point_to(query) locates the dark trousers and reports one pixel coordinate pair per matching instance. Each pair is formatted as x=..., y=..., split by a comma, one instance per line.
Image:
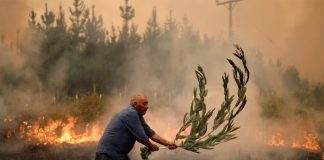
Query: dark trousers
x=103, y=156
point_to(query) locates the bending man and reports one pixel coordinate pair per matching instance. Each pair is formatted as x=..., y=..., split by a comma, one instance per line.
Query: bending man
x=125, y=128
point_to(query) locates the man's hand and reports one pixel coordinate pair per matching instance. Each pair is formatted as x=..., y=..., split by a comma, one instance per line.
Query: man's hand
x=171, y=145
x=152, y=146
x=159, y=139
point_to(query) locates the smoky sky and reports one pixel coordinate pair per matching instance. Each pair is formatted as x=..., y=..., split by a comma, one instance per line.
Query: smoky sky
x=290, y=30
x=305, y=43
x=13, y=15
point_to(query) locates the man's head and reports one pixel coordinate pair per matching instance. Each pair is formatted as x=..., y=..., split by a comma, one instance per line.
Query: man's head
x=140, y=102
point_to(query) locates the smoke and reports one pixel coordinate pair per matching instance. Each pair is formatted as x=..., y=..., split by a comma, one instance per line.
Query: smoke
x=13, y=16
x=283, y=28
x=304, y=42
x=18, y=79
x=170, y=98
x=255, y=131
x=14, y=65
x=165, y=117
x=288, y=30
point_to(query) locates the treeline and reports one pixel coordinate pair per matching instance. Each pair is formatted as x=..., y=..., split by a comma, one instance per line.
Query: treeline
x=288, y=101
x=70, y=64
x=284, y=94
x=74, y=53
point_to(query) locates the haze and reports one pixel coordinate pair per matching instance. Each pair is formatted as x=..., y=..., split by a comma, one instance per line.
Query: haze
x=291, y=30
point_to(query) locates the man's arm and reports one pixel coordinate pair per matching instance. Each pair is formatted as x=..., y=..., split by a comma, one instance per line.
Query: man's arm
x=158, y=139
x=155, y=137
x=133, y=124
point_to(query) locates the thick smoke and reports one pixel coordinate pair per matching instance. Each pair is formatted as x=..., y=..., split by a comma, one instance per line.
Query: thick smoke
x=170, y=90
x=275, y=27
x=167, y=119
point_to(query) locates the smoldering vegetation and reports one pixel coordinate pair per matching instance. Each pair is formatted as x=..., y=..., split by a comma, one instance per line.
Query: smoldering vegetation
x=69, y=63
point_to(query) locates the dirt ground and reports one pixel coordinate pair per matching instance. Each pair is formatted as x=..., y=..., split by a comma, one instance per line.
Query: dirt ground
x=12, y=151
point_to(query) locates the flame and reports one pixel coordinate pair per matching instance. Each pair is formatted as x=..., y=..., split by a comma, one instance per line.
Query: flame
x=58, y=132
x=276, y=140
x=309, y=141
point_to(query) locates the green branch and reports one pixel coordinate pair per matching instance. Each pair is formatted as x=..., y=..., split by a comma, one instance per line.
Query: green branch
x=196, y=120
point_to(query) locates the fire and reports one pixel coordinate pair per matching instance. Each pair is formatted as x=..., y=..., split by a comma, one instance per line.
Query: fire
x=309, y=142
x=58, y=132
x=276, y=140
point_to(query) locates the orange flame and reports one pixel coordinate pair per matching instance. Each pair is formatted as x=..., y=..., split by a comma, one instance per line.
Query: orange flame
x=309, y=142
x=276, y=140
x=58, y=132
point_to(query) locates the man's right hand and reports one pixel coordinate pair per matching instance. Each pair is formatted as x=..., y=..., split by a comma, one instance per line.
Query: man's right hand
x=152, y=146
x=171, y=145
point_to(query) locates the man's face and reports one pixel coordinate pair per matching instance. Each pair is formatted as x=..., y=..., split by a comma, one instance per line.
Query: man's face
x=141, y=105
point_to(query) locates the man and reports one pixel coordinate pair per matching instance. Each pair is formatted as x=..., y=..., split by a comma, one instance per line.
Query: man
x=127, y=127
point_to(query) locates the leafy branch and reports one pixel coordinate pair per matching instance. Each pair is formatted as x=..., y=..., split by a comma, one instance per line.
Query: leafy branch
x=196, y=120
x=193, y=131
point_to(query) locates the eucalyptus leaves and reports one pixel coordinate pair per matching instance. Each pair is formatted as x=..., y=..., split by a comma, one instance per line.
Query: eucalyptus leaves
x=198, y=117
x=194, y=133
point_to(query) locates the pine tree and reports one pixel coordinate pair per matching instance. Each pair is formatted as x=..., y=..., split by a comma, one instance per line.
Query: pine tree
x=188, y=35
x=32, y=20
x=55, y=45
x=113, y=36
x=152, y=31
x=127, y=13
x=171, y=28
x=151, y=42
x=94, y=30
x=78, y=19
x=60, y=21
x=134, y=37
x=48, y=19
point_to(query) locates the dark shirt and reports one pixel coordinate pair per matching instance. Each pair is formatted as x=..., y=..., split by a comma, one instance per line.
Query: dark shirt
x=120, y=135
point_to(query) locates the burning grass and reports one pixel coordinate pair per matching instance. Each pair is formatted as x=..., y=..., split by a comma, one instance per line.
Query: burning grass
x=68, y=138
x=48, y=138
x=308, y=142
x=71, y=131
x=44, y=131
x=73, y=120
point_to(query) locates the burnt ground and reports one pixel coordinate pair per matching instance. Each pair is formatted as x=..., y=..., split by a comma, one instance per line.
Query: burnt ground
x=282, y=153
x=16, y=151
x=48, y=152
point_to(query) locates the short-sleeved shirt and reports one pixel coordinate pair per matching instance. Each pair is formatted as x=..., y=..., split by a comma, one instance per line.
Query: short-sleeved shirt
x=120, y=135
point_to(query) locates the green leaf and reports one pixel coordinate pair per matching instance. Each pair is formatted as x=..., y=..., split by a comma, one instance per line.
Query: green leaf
x=197, y=118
